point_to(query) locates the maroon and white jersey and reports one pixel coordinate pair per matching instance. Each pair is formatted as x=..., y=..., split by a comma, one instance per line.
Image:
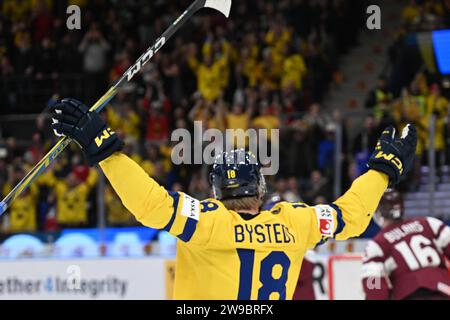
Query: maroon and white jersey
x=405, y=257
x=305, y=284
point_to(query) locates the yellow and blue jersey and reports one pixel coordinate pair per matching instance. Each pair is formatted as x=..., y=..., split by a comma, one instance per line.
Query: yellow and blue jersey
x=225, y=255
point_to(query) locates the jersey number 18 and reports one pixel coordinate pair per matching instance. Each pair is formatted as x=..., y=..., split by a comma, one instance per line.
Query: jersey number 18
x=269, y=283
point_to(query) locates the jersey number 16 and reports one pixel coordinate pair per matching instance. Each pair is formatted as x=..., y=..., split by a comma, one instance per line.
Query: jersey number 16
x=419, y=253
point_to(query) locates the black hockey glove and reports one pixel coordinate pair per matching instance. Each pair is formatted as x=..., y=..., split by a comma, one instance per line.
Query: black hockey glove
x=394, y=156
x=73, y=119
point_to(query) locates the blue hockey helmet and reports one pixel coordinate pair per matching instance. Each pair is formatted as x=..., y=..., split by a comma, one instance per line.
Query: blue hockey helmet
x=237, y=174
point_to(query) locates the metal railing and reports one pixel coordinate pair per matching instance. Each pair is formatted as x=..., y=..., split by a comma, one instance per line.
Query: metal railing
x=432, y=162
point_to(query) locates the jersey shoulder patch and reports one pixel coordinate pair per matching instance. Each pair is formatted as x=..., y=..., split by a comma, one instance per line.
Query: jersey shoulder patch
x=325, y=219
x=190, y=207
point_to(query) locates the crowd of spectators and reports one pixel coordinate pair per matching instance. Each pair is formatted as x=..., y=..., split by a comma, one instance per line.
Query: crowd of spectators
x=410, y=91
x=266, y=67
x=426, y=15
x=419, y=103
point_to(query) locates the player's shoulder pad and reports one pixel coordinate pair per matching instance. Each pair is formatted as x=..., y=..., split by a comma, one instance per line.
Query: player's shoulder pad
x=435, y=224
x=373, y=250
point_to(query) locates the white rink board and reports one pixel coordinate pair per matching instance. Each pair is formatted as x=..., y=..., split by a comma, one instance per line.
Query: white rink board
x=344, y=277
x=320, y=274
x=99, y=279
x=336, y=276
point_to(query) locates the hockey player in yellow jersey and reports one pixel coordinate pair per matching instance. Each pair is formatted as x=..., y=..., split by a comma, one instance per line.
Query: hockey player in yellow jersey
x=228, y=248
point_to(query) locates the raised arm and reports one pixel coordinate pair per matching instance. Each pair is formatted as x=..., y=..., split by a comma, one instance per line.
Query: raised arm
x=359, y=203
x=392, y=159
x=150, y=203
x=350, y=215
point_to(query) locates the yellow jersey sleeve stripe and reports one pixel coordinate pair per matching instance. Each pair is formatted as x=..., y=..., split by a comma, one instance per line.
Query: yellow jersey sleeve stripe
x=179, y=222
x=189, y=230
x=176, y=198
x=186, y=213
x=339, y=218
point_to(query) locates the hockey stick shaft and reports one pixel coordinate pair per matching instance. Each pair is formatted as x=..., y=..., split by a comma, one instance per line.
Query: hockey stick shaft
x=220, y=5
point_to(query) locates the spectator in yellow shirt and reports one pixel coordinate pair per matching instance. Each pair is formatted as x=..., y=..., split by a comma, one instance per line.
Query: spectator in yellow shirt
x=22, y=215
x=271, y=71
x=80, y=3
x=252, y=68
x=294, y=70
x=438, y=106
x=210, y=114
x=211, y=79
x=277, y=37
x=126, y=120
x=268, y=119
x=153, y=155
x=17, y=10
x=411, y=12
x=237, y=119
x=72, y=197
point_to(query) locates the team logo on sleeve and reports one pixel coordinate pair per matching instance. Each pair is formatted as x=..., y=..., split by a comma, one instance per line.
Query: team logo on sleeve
x=190, y=207
x=325, y=220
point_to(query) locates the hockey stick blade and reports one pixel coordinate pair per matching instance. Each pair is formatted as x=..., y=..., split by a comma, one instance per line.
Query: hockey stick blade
x=223, y=6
